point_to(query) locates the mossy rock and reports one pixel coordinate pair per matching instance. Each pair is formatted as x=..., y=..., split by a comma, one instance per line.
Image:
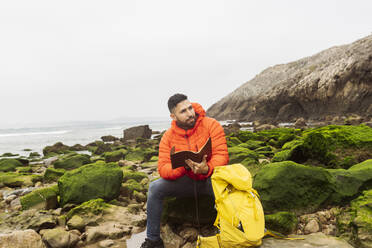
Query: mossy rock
x=115, y=156
x=130, y=186
x=34, y=154
x=282, y=156
x=275, y=134
x=12, y=180
x=349, y=183
x=136, y=175
x=233, y=141
x=94, y=206
x=91, y=181
x=182, y=210
x=252, y=144
x=52, y=175
x=9, y=154
x=239, y=154
x=140, y=154
x=72, y=161
x=244, y=136
x=24, y=170
x=9, y=164
x=355, y=223
x=43, y=198
x=282, y=222
x=57, y=148
x=290, y=186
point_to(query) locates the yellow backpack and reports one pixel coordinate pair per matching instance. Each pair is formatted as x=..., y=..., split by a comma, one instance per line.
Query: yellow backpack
x=240, y=217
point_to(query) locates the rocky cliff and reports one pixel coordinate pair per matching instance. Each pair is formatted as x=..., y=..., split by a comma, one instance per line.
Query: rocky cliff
x=334, y=82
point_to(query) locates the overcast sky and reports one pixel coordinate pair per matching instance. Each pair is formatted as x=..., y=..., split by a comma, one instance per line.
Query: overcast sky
x=100, y=60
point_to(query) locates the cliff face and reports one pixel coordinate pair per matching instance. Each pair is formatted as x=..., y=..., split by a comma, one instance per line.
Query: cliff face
x=334, y=82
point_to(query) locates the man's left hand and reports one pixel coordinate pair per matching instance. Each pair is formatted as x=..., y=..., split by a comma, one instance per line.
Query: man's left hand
x=198, y=168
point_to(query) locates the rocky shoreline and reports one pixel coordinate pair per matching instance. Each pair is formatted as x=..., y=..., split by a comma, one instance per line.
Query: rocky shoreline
x=314, y=182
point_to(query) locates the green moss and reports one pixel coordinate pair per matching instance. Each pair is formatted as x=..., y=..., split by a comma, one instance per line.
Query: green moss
x=282, y=222
x=12, y=179
x=290, y=186
x=128, y=188
x=238, y=154
x=57, y=148
x=24, y=170
x=136, y=175
x=94, y=206
x=115, y=155
x=9, y=154
x=34, y=154
x=140, y=154
x=52, y=175
x=73, y=161
x=244, y=136
x=47, y=197
x=252, y=144
x=282, y=156
x=9, y=164
x=232, y=141
x=91, y=181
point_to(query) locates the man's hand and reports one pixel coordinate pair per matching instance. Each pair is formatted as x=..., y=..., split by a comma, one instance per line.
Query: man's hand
x=198, y=168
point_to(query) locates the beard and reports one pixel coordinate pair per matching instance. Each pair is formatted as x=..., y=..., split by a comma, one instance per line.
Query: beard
x=188, y=124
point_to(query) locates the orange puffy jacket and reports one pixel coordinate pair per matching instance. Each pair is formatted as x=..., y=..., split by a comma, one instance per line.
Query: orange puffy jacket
x=193, y=140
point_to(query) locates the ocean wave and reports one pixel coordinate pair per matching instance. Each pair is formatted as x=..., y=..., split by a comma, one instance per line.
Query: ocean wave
x=34, y=133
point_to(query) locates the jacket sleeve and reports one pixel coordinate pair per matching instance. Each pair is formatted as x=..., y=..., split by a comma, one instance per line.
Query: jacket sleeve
x=164, y=163
x=220, y=155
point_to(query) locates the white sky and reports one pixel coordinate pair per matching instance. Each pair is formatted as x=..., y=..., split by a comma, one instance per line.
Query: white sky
x=99, y=60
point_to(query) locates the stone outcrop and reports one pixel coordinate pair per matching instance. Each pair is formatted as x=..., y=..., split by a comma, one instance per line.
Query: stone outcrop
x=21, y=239
x=334, y=82
x=134, y=133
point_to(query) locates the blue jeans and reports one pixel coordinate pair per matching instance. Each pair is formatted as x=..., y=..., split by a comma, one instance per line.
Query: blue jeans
x=161, y=188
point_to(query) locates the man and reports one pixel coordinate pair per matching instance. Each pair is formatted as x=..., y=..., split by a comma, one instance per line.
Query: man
x=189, y=131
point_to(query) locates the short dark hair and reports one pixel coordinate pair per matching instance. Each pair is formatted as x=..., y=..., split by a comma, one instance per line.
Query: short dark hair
x=174, y=100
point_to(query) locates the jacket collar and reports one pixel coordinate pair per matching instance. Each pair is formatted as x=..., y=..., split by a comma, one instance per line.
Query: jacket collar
x=200, y=114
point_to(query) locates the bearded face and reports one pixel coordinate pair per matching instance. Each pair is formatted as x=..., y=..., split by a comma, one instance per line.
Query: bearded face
x=184, y=115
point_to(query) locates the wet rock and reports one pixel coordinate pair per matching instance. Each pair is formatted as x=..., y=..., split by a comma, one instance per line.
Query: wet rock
x=76, y=222
x=47, y=162
x=171, y=239
x=52, y=175
x=312, y=227
x=57, y=148
x=9, y=164
x=115, y=156
x=109, y=138
x=300, y=123
x=59, y=238
x=314, y=240
x=106, y=231
x=21, y=239
x=189, y=234
x=264, y=127
x=134, y=133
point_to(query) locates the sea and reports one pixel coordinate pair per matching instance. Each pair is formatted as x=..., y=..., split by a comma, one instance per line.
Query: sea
x=24, y=140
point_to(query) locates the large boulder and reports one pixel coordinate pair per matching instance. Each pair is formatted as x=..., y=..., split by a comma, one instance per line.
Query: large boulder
x=72, y=161
x=21, y=239
x=91, y=181
x=133, y=133
x=57, y=148
x=291, y=186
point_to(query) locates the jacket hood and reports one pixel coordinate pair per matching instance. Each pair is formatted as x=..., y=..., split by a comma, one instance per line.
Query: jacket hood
x=199, y=112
